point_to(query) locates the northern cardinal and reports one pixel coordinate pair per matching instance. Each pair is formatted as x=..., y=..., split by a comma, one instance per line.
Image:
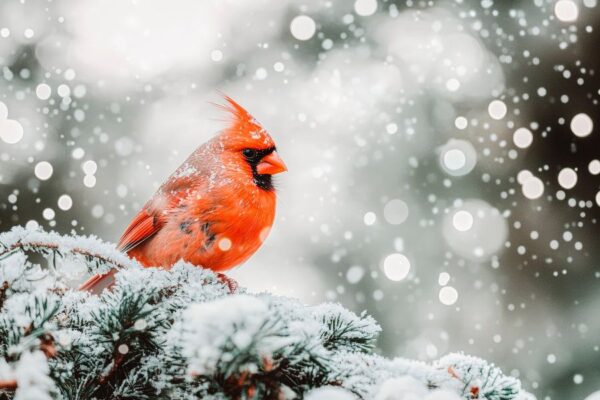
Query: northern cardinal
x=215, y=210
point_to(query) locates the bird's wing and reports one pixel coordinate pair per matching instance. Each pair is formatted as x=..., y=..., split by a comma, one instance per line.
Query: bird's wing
x=154, y=214
x=145, y=224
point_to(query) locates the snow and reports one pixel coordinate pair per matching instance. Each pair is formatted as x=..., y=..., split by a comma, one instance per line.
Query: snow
x=442, y=395
x=89, y=167
x=364, y=325
x=11, y=131
x=403, y=388
x=31, y=376
x=566, y=10
x=582, y=125
x=462, y=220
x=43, y=170
x=409, y=388
x=3, y=111
x=206, y=329
x=395, y=212
x=302, y=27
x=462, y=366
x=532, y=187
x=478, y=241
x=396, y=266
x=567, y=178
x=213, y=331
x=354, y=274
x=33, y=382
x=32, y=238
x=594, y=167
x=458, y=157
x=454, y=159
x=185, y=170
x=381, y=114
x=365, y=8
x=43, y=91
x=497, y=109
x=522, y=138
x=65, y=202
x=448, y=295
x=329, y=393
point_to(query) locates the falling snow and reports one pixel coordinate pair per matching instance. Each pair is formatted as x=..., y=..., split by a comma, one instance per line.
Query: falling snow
x=443, y=156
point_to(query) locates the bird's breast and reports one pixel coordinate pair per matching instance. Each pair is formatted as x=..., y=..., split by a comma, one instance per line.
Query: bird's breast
x=234, y=230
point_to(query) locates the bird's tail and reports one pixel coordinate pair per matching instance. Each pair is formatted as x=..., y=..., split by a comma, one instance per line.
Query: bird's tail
x=97, y=283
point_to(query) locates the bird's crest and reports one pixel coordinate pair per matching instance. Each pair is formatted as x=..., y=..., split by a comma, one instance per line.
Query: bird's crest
x=243, y=125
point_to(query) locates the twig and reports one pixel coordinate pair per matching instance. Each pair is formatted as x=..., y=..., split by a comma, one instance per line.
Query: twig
x=115, y=365
x=54, y=247
x=47, y=345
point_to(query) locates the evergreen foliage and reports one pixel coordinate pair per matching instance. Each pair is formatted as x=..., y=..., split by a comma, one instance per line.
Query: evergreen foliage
x=180, y=334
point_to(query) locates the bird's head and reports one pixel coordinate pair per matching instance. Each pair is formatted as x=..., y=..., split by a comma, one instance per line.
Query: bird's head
x=247, y=143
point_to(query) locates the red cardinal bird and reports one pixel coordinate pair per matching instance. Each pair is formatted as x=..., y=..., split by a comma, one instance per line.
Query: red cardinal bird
x=215, y=210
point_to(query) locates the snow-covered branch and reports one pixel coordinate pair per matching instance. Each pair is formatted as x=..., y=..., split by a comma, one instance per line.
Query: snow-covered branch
x=181, y=334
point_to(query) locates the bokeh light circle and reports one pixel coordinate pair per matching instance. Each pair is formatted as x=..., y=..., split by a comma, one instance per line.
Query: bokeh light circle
x=303, y=27
x=365, y=8
x=457, y=157
x=566, y=10
x=462, y=220
x=11, y=131
x=395, y=211
x=448, y=295
x=582, y=125
x=567, y=178
x=497, y=109
x=522, y=138
x=43, y=170
x=594, y=167
x=532, y=187
x=396, y=267
x=477, y=239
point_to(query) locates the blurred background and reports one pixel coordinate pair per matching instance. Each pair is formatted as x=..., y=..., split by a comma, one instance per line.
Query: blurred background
x=443, y=155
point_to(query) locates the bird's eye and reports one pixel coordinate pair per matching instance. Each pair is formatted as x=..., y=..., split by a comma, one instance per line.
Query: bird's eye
x=249, y=153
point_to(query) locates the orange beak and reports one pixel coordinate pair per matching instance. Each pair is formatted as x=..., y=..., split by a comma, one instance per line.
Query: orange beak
x=271, y=164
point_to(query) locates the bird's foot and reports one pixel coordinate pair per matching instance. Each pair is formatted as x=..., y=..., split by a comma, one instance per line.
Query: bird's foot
x=231, y=283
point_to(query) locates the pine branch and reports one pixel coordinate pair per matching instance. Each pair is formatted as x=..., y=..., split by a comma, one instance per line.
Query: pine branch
x=3, y=290
x=116, y=329
x=348, y=331
x=180, y=334
x=91, y=249
x=46, y=248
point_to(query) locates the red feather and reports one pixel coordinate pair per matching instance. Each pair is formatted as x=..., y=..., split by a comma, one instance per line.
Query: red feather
x=97, y=283
x=143, y=226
